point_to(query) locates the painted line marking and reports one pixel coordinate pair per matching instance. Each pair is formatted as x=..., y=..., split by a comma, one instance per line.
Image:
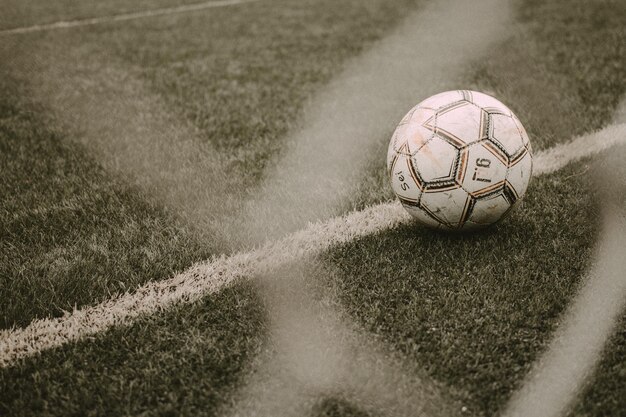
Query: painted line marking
x=123, y=17
x=211, y=276
x=560, y=372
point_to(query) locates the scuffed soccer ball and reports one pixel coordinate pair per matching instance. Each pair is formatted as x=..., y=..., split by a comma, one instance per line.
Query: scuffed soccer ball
x=459, y=160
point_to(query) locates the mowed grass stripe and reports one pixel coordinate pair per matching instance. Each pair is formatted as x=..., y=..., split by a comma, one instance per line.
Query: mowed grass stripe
x=209, y=277
x=365, y=85
x=184, y=137
x=124, y=17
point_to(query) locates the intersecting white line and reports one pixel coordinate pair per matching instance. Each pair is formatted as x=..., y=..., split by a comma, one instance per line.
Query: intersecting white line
x=125, y=16
x=211, y=276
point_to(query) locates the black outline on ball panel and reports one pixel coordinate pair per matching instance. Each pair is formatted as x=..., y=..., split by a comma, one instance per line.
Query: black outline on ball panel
x=418, y=207
x=417, y=179
x=432, y=136
x=408, y=201
x=408, y=116
x=495, y=140
x=503, y=215
x=467, y=96
x=461, y=170
x=510, y=193
x=495, y=149
x=470, y=202
x=410, y=169
x=453, y=140
x=392, y=165
x=448, y=185
x=396, y=138
x=492, y=189
x=521, y=129
x=444, y=134
x=521, y=154
x=434, y=217
x=451, y=177
x=496, y=110
x=485, y=125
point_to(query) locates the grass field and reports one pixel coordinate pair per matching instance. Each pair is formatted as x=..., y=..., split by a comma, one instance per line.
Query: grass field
x=131, y=150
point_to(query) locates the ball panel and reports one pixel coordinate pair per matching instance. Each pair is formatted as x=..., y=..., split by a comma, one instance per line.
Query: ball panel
x=436, y=161
x=403, y=179
x=462, y=125
x=421, y=216
x=523, y=133
x=407, y=117
x=518, y=175
x=485, y=172
x=398, y=139
x=416, y=136
x=421, y=115
x=450, y=207
x=489, y=210
x=505, y=133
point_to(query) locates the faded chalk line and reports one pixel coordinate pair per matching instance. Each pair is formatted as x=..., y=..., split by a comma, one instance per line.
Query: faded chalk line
x=123, y=17
x=211, y=276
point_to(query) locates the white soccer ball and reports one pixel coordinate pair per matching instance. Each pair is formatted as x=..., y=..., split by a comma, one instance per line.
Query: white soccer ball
x=459, y=160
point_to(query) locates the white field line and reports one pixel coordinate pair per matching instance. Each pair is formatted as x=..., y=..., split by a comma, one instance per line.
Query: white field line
x=562, y=370
x=557, y=157
x=124, y=17
x=211, y=276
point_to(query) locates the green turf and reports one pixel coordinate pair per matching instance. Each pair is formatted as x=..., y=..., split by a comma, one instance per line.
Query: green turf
x=71, y=234
x=177, y=363
x=473, y=311
x=76, y=234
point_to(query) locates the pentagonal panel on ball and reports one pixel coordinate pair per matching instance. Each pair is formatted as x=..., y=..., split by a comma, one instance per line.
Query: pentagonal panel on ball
x=490, y=209
x=520, y=173
x=403, y=180
x=461, y=125
x=436, y=161
x=485, y=171
x=489, y=104
x=450, y=206
x=506, y=134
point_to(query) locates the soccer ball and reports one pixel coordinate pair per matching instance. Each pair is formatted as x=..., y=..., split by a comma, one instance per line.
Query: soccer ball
x=459, y=160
